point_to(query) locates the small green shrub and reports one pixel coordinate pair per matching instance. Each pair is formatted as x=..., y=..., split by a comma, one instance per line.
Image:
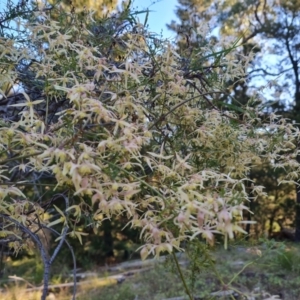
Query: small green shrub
x=288, y=260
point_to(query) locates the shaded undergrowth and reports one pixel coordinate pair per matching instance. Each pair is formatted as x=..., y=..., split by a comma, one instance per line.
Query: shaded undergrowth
x=248, y=270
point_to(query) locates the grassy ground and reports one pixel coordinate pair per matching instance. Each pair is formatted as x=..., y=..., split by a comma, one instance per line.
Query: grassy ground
x=253, y=271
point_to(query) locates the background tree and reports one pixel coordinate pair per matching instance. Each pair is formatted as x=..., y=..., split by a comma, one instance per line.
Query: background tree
x=101, y=8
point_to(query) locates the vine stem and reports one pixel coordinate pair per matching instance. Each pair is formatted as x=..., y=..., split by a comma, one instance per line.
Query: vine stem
x=181, y=276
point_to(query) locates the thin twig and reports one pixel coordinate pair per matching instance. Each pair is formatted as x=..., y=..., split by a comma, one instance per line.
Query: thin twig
x=190, y=99
x=181, y=276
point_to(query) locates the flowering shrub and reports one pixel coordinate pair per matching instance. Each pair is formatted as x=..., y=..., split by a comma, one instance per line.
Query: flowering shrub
x=117, y=121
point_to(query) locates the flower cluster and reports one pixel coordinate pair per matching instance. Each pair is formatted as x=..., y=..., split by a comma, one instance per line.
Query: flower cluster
x=134, y=131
